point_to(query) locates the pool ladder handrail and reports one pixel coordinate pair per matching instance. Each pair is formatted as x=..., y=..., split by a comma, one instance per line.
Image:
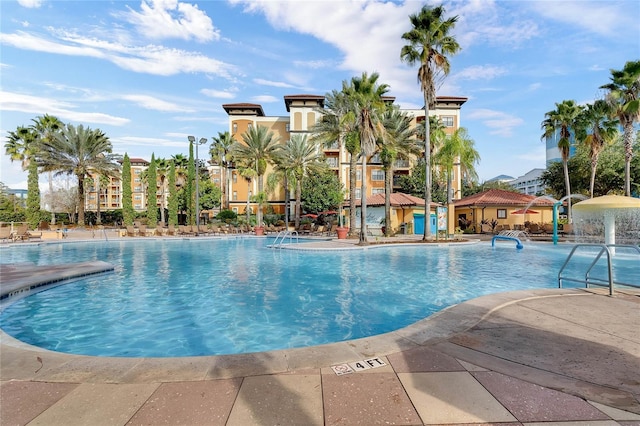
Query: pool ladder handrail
x=282, y=235
x=604, y=249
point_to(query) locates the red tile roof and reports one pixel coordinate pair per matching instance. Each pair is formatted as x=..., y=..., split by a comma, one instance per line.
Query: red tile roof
x=499, y=197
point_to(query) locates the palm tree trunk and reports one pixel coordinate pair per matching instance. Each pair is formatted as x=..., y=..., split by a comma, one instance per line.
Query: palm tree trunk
x=363, y=203
x=565, y=165
x=594, y=166
x=99, y=193
x=427, y=167
x=388, y=181
x=352, y=193
x=80, y=200
x=298, y=202
x=628, y=153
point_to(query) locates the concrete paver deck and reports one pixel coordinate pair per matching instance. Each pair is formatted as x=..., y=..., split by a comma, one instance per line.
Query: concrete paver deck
x=529, y=357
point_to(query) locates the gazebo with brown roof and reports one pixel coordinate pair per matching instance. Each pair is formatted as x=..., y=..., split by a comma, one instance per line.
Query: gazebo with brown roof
x=503, y=206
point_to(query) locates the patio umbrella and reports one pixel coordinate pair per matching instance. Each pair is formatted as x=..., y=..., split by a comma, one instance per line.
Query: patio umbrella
x=311, y=215
x=328, y=212
x=523, y=211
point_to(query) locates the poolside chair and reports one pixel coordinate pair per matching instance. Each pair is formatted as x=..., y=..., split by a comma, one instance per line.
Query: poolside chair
x=142, y=230
x=160, y=230
x=331, y=229
x=319, y=230
x=171, y=230
x=6, y=234
x=131, y=231
x=22, y=233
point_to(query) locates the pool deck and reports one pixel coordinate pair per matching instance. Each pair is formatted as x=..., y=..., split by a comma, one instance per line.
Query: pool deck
x=560, y=356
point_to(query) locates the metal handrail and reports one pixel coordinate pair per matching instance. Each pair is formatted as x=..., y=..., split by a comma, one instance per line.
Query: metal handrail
x=604, y=248
x=282, y=235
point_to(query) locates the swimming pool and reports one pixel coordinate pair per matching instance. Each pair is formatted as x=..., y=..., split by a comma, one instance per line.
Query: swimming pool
x=227, y=296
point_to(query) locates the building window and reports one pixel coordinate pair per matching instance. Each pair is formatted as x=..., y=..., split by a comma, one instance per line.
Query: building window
x=447, y=120
x=235, y=210
x=250, y=126
x=375, y=191
x=377, y=175
x=502, y=213
x=358, y=192
x=286, y=127
x=137, y=171
x=358, y=175
x=235, y=127
x=235, y=178
x=235, y=197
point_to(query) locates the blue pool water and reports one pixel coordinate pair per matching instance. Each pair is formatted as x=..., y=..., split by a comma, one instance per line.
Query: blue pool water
x=226, y=296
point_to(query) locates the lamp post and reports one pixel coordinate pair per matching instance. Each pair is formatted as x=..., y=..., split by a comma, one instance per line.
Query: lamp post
x=202, y=141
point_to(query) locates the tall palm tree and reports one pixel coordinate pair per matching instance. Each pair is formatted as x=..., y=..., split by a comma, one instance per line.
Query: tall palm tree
x=256, y=151
x=458, y=148
x=181, y=164
x=220, y=154
x=563, y=120
x=624, y=97
x=21, y=146
x=596, y=130
x=47, y=126
x=78, y=151
x=162, y=170
x=398, y=142
x=365, y=97
x=337, y=124
x=429, y=44
x=300, y=156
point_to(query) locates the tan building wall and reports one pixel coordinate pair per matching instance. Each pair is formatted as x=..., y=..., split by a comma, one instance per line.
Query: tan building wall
x=302, y=116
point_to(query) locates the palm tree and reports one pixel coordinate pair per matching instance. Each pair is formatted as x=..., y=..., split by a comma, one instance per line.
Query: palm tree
x=300, y=156
x=78, y=151
x=257, y=151
x=399, y=141
x=162, y=170
x=624, y=97
x=366, y=102
x=220, y=154
x=47, y=126
x=458, y=148
x=429, y=44
x=337, y=124
x=21, y=146
x=596, y=130
x=563, y=120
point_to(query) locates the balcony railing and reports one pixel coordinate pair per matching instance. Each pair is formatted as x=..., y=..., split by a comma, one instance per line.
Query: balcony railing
x=332, y=161
x=401, y=164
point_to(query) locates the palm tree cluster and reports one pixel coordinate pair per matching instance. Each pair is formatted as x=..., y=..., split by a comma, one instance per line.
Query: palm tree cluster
x=596, y=124
x=51, y=146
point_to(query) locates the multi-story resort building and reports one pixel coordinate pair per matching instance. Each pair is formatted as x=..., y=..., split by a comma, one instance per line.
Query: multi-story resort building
x=303, y=113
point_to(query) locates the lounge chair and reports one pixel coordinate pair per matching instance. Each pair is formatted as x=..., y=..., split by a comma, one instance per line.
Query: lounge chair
x=142, y=230
x=171, y=230
x=6, y=234
x=22, y=233
x=131, y=231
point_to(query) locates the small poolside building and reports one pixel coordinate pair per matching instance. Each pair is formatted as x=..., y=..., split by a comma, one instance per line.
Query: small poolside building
x=503, y=208
x=407, y=213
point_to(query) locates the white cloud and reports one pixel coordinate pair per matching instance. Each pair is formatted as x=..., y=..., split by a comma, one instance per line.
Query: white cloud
x=221, y=94
x=499, y=123
x=63, y=110
x=128, y=141
x=264, y=82
x=31, y=4
x=604, y=18
x=265, y=99
x=149, y=102
x=162, y=19
x=480, y=72
x=151, y=59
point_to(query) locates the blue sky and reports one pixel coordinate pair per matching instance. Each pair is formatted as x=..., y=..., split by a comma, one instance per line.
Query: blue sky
x=149, y=73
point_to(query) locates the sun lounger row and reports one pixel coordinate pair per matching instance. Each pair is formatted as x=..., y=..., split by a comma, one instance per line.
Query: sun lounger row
x=186, y=230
